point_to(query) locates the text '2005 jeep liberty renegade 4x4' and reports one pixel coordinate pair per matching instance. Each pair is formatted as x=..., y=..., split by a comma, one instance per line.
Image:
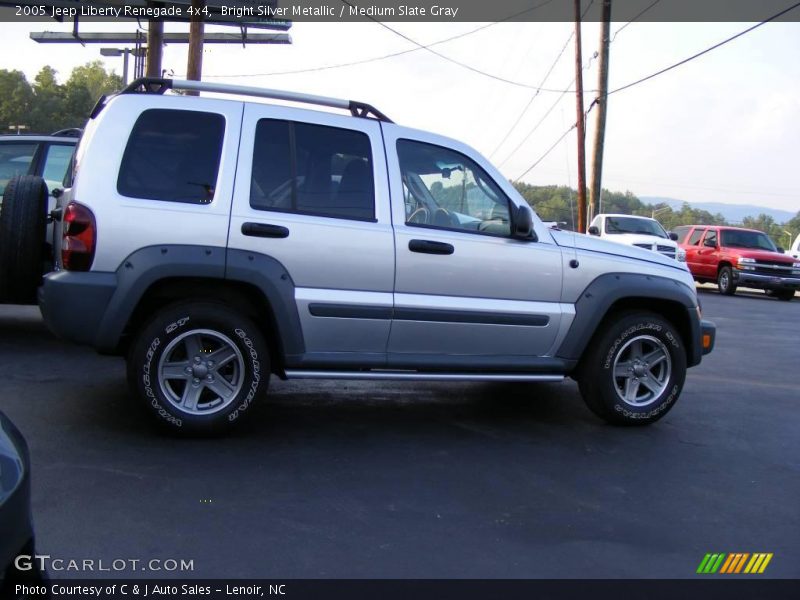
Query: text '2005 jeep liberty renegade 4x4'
x=218, y=241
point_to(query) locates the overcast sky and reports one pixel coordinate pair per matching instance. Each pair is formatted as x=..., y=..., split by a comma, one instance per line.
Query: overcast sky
x=722, y=128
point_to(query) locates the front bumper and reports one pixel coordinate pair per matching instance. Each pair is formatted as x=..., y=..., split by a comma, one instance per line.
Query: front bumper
x=708, y=331
x=765, y=282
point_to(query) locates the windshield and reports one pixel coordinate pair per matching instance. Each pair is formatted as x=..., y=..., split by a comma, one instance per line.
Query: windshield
x=616, y=225
x=754, y=240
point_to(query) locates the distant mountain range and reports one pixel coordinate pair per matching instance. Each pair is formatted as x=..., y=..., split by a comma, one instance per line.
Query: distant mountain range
x=733, y=213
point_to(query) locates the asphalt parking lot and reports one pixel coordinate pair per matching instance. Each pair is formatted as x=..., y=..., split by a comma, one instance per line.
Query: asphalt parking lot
x=421, y=480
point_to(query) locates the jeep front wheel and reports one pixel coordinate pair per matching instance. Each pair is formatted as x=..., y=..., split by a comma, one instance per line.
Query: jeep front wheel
x=198, y=366
x=635, y=370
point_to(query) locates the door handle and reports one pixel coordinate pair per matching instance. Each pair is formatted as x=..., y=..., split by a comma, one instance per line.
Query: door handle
x=264, y=230
x=430, y=247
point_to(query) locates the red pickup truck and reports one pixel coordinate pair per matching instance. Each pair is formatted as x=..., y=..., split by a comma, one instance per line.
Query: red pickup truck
x=732, y=257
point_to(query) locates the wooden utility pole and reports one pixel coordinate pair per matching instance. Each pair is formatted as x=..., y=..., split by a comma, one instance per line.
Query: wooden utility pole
x=155, y=44
x=194, y=68
x=581, y=122
x=602, y=108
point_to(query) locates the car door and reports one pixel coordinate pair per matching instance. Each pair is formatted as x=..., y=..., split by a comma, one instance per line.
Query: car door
x=311, y=193
x=467, y=294
x=708, y=256
x=692, y=247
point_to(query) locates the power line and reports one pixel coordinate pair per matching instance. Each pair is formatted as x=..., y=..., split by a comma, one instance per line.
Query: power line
x=385, y=56
x=636, y=18
x=456, y=62
x=543, y=156
x=536, y=93
x=546, y=114
x=706, y=51
x=535, y=127
x=541, y=85
x=365, y=60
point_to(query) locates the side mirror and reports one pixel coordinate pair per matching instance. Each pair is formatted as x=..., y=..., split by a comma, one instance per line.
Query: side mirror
x=673, y=236
x=593, y=230
x=781, y=250
x=522, y=223
x=710, y=243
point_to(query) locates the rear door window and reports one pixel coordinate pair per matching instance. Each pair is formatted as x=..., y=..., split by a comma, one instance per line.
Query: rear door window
x=173, y=155
x=312, y=169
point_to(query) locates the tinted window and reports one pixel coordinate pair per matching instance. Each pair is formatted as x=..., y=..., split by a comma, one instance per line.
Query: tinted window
x=15, y=159
x=443, y=188
x=694, y=239
x=711, y=236
x=56, y=164
x=173, y=155
x=754, y=240
x=312, y=169
x=643, y=226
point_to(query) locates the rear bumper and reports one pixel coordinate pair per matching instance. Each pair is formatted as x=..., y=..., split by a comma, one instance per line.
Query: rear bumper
x=73, y=304
x=765, y=282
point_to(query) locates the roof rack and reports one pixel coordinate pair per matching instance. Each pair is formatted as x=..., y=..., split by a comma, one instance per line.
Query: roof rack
x=151, y=85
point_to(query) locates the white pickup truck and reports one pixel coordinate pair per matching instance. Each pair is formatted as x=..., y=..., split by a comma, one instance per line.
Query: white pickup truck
x=794, y=251
x=634, y=230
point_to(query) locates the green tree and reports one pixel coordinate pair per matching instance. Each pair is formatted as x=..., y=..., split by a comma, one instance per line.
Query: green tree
x=47, y=109
x=768, y=225
x=557, y=203
x=46, y=105
x=93, y=78
x=16, y=96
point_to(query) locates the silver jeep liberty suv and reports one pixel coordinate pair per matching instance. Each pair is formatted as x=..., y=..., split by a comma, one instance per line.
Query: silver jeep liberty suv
x=218, y=241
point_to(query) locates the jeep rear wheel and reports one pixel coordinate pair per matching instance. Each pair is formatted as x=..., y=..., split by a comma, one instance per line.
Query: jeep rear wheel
x=725, y=282
x=635, y=369
x=23, y=223
x=199, y=366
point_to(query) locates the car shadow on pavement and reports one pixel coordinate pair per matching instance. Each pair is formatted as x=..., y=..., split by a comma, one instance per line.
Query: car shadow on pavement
x=750, y=294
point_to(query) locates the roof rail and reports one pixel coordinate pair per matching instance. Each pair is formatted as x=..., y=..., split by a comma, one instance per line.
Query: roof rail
x=69, y=132
x=150, y=85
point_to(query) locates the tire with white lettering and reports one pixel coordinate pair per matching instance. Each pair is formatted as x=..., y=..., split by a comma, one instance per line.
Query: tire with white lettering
x=634, y=369
x=198, y=366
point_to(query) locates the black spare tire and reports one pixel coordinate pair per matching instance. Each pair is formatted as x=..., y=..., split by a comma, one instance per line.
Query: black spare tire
x=23, y=225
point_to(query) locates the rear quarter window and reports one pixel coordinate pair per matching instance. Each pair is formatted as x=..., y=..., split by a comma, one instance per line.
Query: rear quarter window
x=173, y=155
x=681, y=232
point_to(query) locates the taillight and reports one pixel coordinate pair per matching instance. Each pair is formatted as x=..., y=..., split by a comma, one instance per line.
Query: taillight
x=79, y=238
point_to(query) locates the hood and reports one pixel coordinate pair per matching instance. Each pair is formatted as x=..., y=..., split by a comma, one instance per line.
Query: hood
x=591, y=243
x=639, y=238
x=762, y=255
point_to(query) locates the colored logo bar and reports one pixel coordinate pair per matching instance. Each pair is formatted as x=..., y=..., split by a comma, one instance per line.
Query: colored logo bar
x=733, y=563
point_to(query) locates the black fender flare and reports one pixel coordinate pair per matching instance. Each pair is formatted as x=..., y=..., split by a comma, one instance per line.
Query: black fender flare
x=147, y=266
x=608, y=289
